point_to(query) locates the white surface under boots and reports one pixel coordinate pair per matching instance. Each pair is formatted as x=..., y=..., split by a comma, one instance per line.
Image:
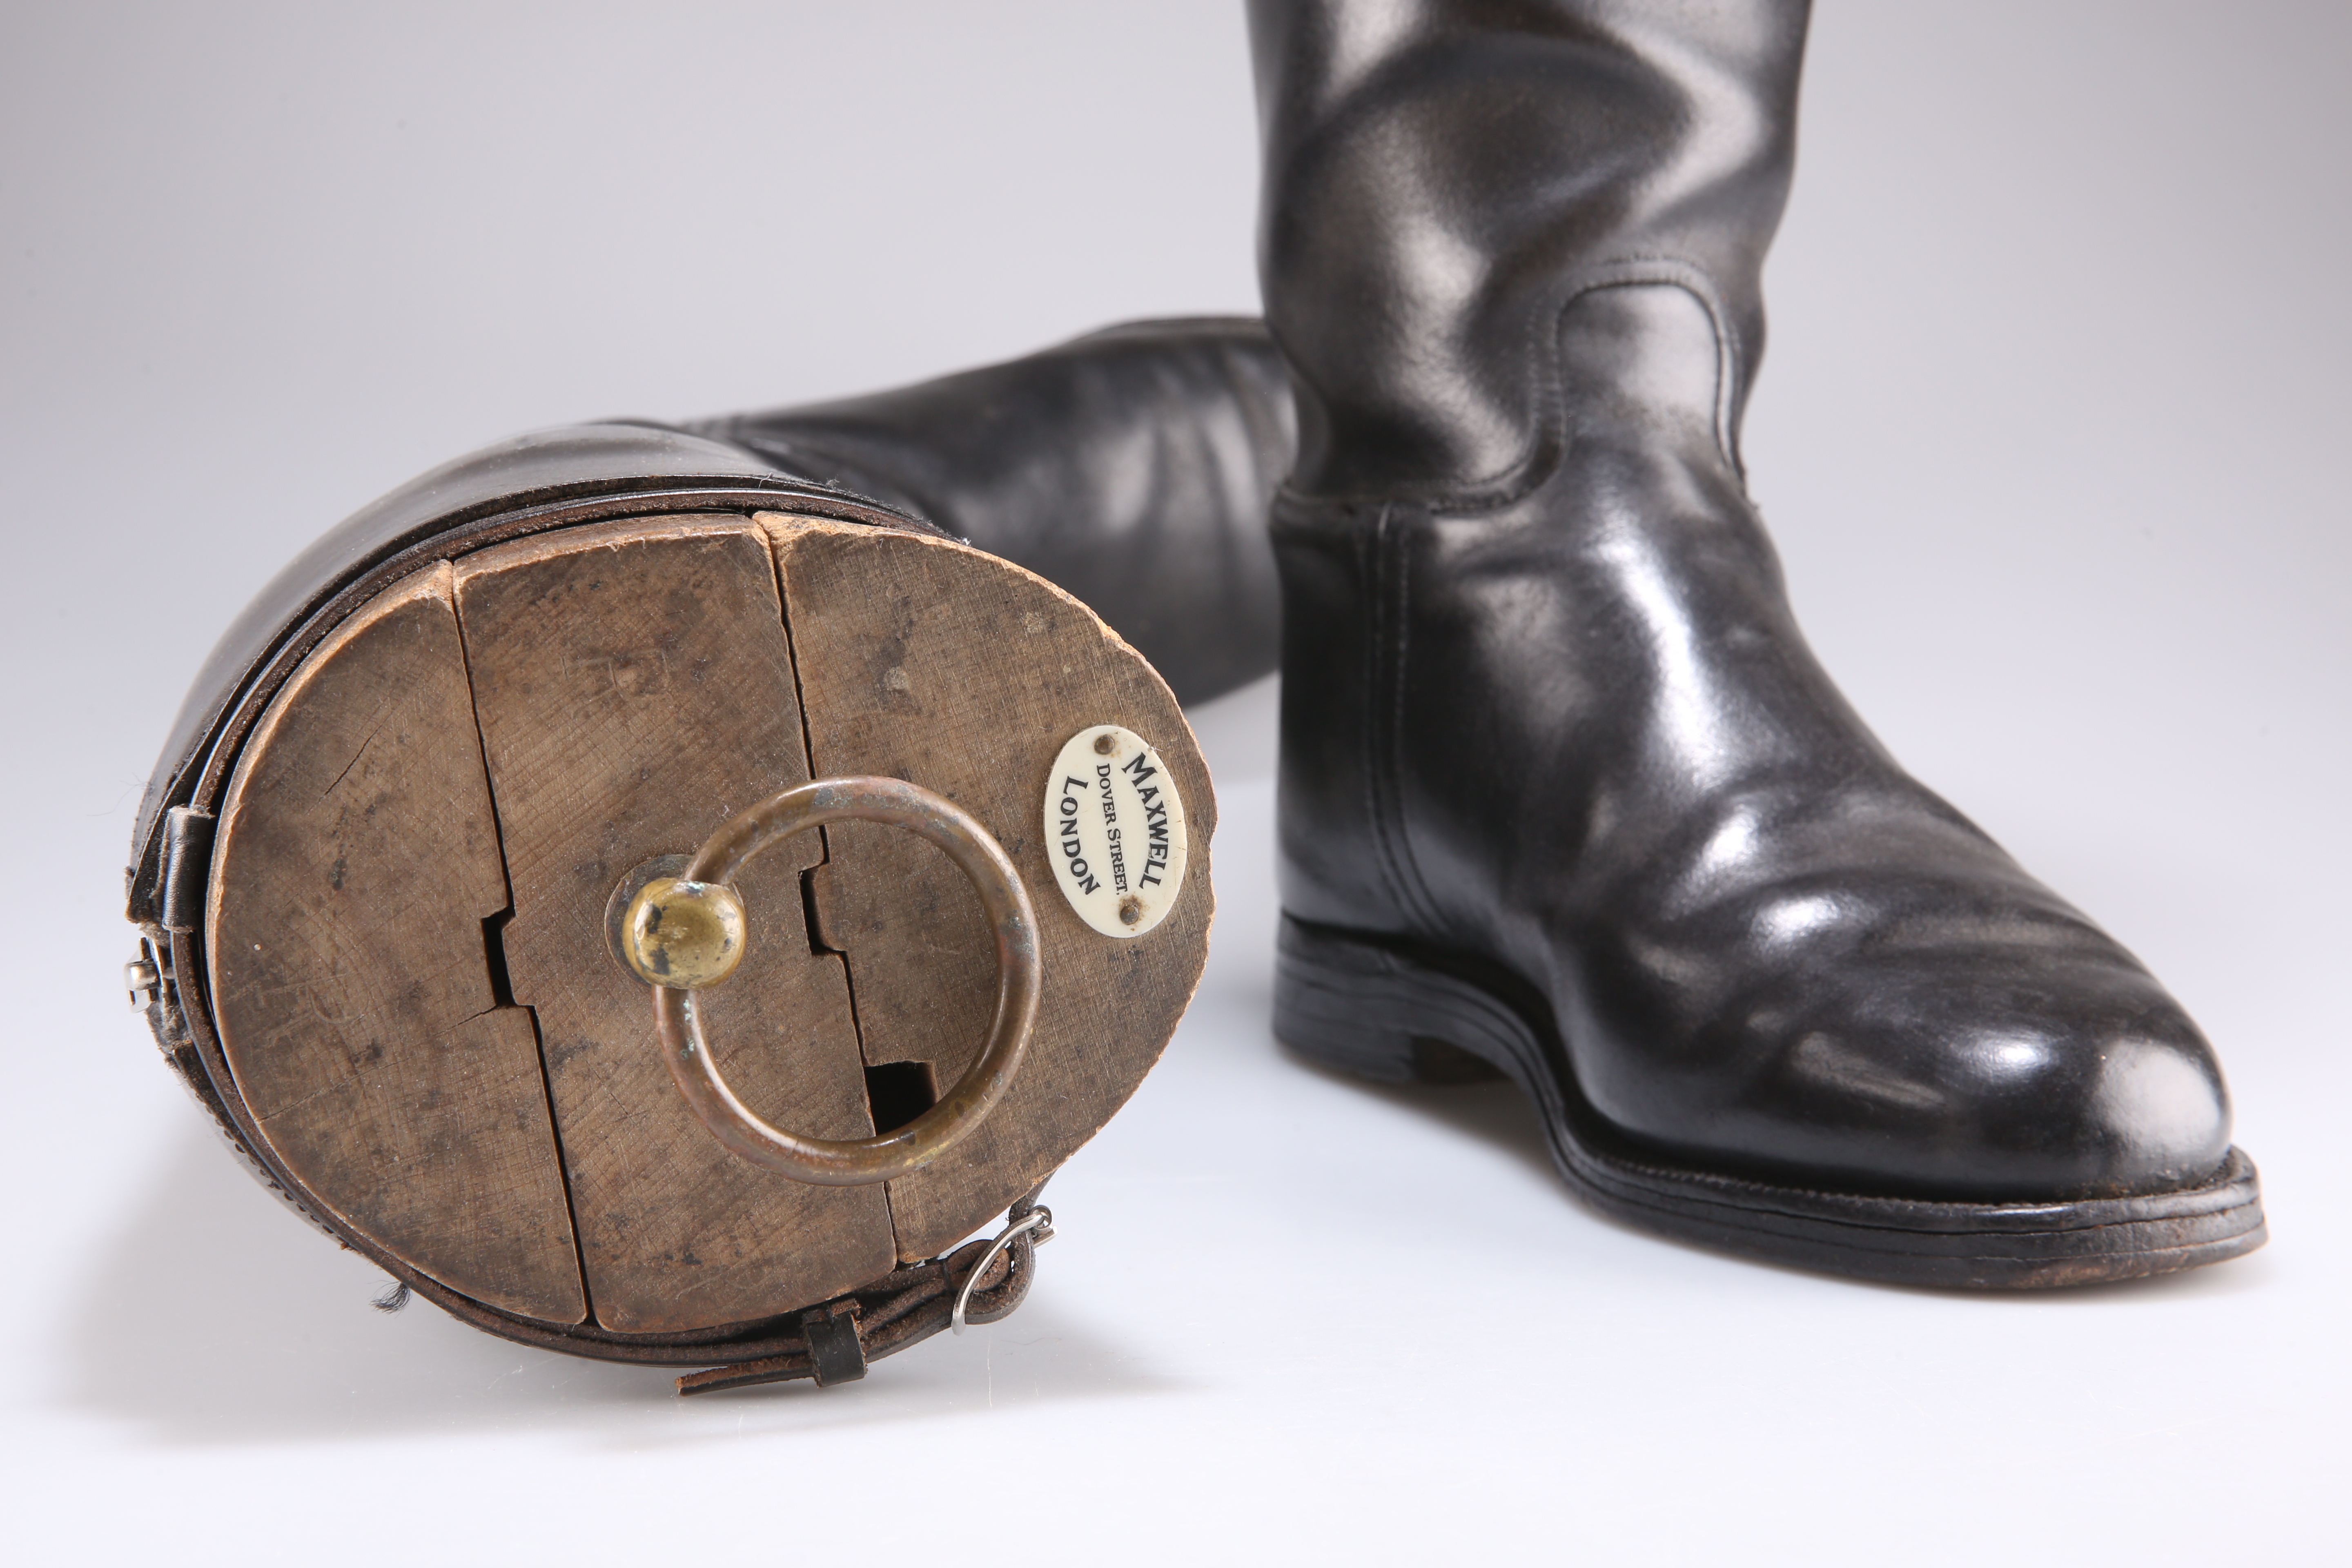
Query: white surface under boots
x=2047, y=436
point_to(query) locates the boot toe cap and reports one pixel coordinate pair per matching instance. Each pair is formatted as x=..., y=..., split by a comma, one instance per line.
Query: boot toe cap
x=1943, y=1029
x=2027, y=1098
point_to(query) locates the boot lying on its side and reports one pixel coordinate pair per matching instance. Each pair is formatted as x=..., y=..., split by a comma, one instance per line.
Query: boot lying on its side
x=468, y=799
x=1148, y=501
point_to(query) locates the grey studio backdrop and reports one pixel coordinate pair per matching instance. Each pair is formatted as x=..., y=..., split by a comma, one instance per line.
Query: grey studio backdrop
x=2049, y=434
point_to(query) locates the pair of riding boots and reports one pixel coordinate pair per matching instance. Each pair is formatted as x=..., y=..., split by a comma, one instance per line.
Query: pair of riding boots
x=1563, y=797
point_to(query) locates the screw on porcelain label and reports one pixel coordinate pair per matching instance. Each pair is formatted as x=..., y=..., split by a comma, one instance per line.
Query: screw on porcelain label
x=1114, y=829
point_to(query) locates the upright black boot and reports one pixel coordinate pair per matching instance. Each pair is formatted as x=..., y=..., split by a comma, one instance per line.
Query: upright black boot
x=1563, y=792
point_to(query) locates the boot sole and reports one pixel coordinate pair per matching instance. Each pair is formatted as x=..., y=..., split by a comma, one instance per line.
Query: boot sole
x=1384, y=1012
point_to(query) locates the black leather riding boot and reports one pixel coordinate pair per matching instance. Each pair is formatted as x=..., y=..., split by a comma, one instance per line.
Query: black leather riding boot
x=1563, y=792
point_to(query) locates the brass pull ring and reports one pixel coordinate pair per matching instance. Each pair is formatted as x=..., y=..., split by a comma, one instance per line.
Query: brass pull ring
x=699, y=898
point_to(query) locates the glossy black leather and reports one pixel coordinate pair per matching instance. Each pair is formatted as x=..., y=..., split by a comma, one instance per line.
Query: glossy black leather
x=1545, y=705
x=1131, y=467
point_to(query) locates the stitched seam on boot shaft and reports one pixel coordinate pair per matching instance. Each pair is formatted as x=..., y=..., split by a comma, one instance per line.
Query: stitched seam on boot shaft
x=1385, y=714
x=1555, y=405
x=1372, y=560
x=1554, y=433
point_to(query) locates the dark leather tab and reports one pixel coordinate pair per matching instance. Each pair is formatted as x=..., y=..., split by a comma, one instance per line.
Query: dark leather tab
x=835, y=1351
x=187, y=861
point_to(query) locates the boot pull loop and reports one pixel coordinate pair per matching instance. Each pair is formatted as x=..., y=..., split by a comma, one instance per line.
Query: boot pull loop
x=685, y=933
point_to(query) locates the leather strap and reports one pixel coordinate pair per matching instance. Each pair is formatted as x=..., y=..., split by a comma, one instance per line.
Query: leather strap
x=904, y=1307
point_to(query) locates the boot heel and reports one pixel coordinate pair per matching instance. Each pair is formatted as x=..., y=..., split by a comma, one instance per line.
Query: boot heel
x=1366, y=1010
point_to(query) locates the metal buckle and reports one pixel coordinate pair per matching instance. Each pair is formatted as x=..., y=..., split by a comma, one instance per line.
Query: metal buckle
x=1039, y=1219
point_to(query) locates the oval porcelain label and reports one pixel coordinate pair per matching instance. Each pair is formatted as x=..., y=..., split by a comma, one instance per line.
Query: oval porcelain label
x=1114, y=831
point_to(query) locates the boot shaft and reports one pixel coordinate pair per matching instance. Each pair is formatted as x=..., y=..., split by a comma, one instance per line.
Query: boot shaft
x=1512, y=256
x=1443, y=179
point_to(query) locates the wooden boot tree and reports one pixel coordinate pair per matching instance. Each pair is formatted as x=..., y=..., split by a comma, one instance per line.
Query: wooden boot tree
x=402, y=991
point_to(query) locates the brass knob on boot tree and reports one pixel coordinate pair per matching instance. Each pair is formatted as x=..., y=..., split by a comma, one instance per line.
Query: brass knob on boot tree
x=683, y=935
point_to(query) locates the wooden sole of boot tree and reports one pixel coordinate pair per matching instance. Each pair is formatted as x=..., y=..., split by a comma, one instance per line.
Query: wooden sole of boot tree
x=409, y=964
